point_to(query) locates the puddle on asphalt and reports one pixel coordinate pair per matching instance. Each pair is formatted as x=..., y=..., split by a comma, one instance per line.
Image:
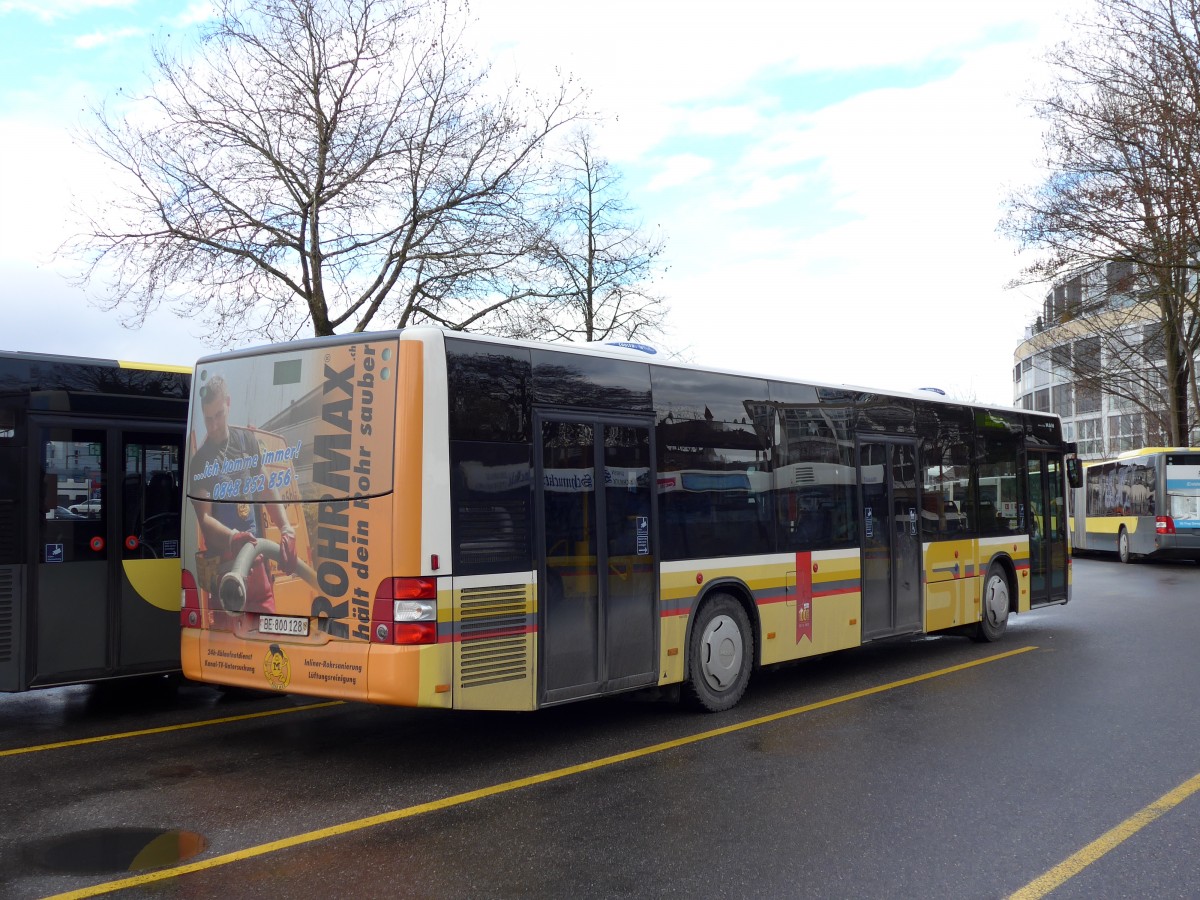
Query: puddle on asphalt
x=105, y=850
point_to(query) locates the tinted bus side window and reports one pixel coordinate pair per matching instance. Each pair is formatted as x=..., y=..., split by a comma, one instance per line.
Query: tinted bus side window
x=491, y=469
x=714, y=478
x=947, y=498
x=999, y=437
x=814, y=481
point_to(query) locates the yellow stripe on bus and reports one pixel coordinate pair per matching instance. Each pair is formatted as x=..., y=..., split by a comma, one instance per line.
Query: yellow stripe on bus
x=154, y=367
x=409, y=812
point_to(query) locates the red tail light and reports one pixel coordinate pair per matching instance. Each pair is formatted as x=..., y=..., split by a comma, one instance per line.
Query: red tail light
x=405, y=611
x=189, y=601
x=1164, y=525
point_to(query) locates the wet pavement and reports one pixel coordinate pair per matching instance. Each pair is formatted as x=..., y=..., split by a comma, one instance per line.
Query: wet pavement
x=934, y=767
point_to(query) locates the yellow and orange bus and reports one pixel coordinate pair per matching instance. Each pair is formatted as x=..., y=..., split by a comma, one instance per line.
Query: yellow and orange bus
x=432, y=518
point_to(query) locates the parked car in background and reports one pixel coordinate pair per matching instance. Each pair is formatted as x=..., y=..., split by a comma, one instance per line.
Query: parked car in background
x=89, y=508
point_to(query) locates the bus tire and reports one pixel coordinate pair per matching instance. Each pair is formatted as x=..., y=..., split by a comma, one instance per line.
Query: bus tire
x=1123, y=552
x=720, y=655
x=993, y=620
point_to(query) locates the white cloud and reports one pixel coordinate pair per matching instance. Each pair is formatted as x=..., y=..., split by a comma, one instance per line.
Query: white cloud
x=896, y=278
x=680, y=169
x=758, y=191
x=195, y=14
x=50, y=10
x=101, y=38
x=854, y=241
x=45, y=173
x=722, y=121
x=43, y=313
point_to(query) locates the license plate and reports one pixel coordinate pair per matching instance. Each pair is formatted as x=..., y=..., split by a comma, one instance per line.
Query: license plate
x=291, y=625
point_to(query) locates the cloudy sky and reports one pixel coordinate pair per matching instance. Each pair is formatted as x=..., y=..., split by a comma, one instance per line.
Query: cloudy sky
x=828, y=176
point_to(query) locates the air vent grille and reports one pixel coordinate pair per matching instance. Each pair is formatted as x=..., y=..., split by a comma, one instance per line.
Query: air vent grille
x=8, y=611
x=493, y=624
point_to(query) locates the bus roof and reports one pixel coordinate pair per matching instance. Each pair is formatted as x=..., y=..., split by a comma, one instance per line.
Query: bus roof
x=419, y=332
x=59, y=358
x=1150, y=451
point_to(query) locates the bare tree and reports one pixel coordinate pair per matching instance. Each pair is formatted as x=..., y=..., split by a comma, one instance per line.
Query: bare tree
x=599, y=264
x=1122, y=149
x=333, y=163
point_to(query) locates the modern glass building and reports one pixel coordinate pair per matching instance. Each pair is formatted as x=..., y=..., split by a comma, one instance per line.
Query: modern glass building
x=1096, y=357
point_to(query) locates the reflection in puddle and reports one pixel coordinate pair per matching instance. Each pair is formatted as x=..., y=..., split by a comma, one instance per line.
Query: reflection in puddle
x=105, y=850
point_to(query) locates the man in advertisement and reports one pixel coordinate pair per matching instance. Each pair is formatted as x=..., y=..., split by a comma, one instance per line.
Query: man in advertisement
x=227, y=467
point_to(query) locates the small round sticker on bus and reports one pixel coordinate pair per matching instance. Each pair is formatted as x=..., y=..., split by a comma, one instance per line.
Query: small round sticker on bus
x=131, y=542
x=277, y=668
x=96, y=543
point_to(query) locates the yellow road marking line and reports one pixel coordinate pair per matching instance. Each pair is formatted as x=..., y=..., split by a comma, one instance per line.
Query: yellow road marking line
x=58, y=745
x=1110, y=840
x=482, y=793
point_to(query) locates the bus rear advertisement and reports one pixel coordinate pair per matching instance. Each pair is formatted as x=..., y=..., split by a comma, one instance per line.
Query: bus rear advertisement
x=290, y=520
x=432, y=518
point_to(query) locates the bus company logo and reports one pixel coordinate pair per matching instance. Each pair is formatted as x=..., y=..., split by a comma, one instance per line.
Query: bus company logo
x=277, y=668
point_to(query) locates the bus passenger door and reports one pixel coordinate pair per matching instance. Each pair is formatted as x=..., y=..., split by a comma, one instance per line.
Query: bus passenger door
x=597, y=569
x=891, y=542
x=151, y=493
x=105, y=588
x=1047, y=528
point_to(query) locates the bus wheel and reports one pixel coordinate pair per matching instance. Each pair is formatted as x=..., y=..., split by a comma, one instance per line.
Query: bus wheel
x=1123, y=553
x=994, y=621
x=720, y=655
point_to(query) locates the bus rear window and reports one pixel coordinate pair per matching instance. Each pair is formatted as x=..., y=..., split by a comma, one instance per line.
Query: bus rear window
x=310, y=424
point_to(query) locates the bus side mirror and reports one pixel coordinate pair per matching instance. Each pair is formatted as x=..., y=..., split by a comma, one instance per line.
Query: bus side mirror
x=1074, y=472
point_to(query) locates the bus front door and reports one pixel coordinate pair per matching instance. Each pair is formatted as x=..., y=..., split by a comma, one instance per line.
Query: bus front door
x=1047, y=520
x=597, y=571
x=105, y=549
x=891, y=539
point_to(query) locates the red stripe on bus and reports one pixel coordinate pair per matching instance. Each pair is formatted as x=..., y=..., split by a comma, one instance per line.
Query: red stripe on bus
x=487, y=635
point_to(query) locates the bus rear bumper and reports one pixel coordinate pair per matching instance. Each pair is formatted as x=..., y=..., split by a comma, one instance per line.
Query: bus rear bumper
x=396, y=675
x=1177, y=546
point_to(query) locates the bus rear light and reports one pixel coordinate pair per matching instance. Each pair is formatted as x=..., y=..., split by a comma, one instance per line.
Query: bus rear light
x=1164, y=525
x=415, y=633
x=405, y=611
x=189, y=601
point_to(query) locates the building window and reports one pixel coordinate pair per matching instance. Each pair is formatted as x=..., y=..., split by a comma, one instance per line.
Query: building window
x=1041, y=400
x=1089, y=434
x=1118, y=278
x=1125, y=432
x=1060, y=400
x=1087, y=356
x=1154, y=347
x=1087, y=399
x=1060, y=361
x=1074, y=295
x=1041, y=369
x=1121, y=394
